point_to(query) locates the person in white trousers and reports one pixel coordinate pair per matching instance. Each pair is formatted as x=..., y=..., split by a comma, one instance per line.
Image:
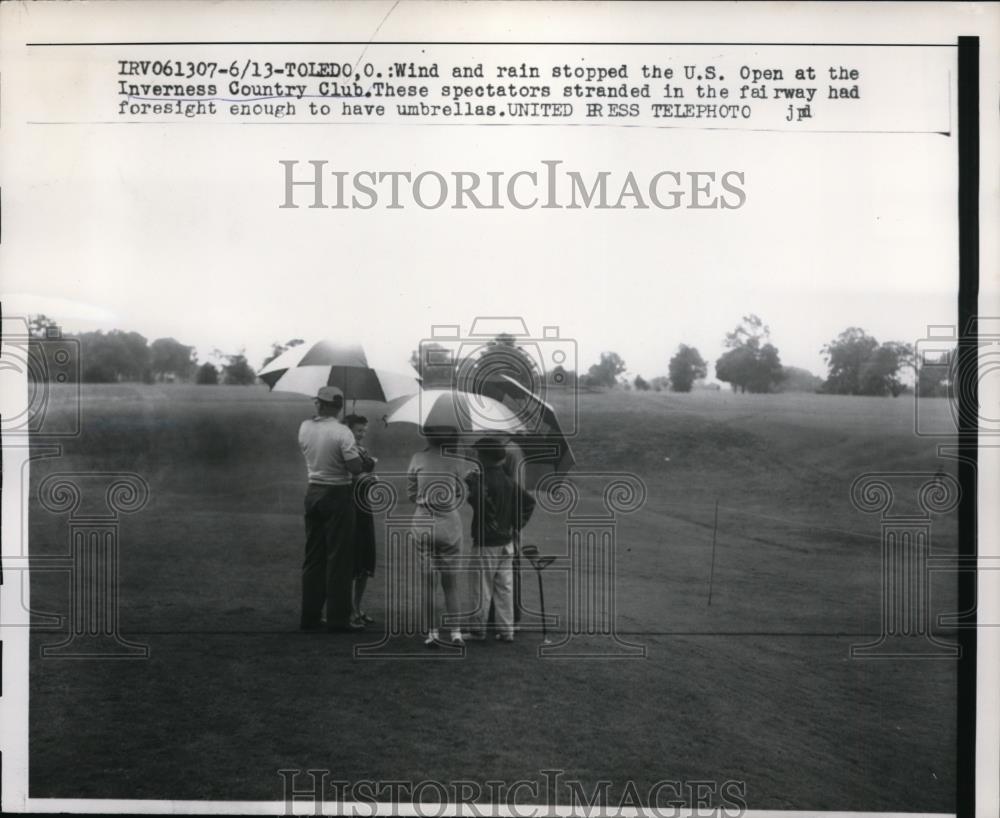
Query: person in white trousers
x=500, y=508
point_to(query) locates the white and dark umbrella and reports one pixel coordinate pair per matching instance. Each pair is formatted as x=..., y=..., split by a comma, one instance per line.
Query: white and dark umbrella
x=305, y=368
x=461, y=411
x=541, y=439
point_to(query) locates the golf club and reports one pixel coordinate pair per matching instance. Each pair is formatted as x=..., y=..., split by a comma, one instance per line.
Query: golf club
x=538, y=563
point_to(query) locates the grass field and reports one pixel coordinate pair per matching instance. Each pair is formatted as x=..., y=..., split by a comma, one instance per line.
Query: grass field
x=758, y=687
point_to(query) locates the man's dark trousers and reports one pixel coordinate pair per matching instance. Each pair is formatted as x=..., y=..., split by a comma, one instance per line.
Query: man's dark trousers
x=328, y=569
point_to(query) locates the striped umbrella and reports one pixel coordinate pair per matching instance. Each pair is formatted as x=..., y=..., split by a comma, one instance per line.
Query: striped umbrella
x=542, y=441
x=305, y=368
x=461, y=411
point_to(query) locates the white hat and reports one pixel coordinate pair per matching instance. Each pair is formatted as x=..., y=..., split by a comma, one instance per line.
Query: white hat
x=328, y=394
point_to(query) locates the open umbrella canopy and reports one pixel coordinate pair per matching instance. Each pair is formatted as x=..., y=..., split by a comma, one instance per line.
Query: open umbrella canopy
x=542, y=441
x=462, y=411
x=305, y=368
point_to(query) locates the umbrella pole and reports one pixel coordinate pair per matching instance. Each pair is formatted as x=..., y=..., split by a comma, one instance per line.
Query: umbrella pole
x=516, y=565
x=541, y=599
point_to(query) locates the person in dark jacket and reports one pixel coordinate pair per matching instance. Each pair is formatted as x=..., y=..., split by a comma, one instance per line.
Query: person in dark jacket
x=500, y=508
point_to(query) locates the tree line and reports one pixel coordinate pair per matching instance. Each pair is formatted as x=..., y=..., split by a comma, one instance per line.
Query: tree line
x=858, y=364
x=116, y=355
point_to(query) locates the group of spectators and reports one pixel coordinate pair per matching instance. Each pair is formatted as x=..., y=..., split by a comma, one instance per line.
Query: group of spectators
x=340, y=529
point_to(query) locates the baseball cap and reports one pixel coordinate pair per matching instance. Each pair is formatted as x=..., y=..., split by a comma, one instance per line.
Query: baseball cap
x=327, y=394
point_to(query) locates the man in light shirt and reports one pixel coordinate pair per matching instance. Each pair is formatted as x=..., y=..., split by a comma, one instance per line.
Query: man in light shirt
x=332, y=459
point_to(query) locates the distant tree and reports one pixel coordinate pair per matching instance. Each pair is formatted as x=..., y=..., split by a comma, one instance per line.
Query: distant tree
x=800, y=380
x=734, y=367
x=560, y=376
x=752, y=363
x=897, y=356
x=935, y=375
x=207, y=374
x=437, y=368
x=606, y=371
x=685, y=368
x=880, y=375
x=113, y=356
x=170, y=357
x=41, y=326
x=502, y=356
x=767, y=372
x=277, y=349
x=860, y=365
x=906, y=354
x=659, y=383
x=641, y=384
x=47, y=344
x=751, y=332
x=846, y=355
x=237, y=372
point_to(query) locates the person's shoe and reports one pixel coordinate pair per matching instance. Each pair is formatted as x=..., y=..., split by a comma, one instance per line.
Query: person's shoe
x=457, y=640
x=432, y=640
x=368, y=620
x=505, y=637
x=475, y=636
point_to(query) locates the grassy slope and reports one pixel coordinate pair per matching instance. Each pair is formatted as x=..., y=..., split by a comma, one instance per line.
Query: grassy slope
x=757, y=687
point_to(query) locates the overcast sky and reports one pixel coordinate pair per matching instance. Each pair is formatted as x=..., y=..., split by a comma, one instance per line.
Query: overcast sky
x=176, y=231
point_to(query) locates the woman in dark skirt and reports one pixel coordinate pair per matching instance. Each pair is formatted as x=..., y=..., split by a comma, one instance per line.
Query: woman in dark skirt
x=364, y=525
